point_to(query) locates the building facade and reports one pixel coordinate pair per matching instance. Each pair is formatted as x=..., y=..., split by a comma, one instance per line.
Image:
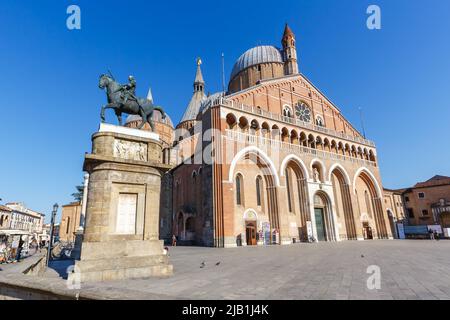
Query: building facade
x=5, y=217
x=272, y=160
x=428, y=203
x=395, y=210
x=70, y=221
x=25, y=219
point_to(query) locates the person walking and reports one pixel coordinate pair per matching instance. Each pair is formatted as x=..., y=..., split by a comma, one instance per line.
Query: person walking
x=431, y=233
x=174, y=240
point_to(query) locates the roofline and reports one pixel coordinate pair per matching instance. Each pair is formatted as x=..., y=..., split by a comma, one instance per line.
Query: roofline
x=431, y=186
x=266, y=81
x=75, y=203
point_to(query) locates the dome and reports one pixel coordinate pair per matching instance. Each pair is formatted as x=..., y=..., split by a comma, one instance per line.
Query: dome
x=254, y=56
x=156, y=117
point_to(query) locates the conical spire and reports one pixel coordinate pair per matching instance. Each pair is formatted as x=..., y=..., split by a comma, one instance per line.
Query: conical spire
x=289, y=51
x=198, y=97
x=288, y=32
x=199, y=83
x=149, y=95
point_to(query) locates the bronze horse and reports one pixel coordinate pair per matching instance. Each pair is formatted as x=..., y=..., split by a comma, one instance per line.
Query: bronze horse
x=137, y=106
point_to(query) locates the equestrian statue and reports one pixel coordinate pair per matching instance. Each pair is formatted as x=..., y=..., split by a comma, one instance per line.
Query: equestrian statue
x=122, y=98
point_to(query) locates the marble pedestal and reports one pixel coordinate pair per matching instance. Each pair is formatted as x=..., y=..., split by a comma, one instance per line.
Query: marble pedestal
x=121, y=234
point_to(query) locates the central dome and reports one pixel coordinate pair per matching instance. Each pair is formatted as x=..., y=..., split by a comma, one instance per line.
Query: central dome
x=254, y=56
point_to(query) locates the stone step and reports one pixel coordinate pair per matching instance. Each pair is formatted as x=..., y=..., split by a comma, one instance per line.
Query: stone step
x=121, y=262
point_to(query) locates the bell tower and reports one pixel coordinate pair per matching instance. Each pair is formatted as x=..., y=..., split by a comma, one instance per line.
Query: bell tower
x=199, y=83
x=289, y=52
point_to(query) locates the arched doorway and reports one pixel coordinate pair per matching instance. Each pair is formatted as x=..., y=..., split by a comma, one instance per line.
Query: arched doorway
x=343, y=201
x=367, y=230
x=260, y=193
x=369, y=201
x=323, y=217
x=297, y=196
x=250, y=220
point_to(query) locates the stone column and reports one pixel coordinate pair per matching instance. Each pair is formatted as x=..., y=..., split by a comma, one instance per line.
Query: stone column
x=76, y=251
x=84, y=201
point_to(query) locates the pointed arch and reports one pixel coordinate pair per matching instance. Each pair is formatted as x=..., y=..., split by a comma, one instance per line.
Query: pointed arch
x=259, y=153
x=342, y=199
x=374, y=199
x=379, y=193
x=293, y=157
x=343, y=171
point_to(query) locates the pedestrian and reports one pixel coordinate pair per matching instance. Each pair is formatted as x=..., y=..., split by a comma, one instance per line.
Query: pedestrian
x=431, y=233
x=19, y=249
x=436, y=235
x=174, y=240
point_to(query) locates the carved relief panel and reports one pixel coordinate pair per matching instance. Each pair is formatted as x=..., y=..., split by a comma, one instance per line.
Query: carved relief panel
x=130, y=150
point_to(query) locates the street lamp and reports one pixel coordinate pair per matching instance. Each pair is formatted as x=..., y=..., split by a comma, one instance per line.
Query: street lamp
x=52, y=226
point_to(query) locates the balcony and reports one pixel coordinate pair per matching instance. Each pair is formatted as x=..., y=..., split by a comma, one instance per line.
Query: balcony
x=273, y=144
x=292, y=121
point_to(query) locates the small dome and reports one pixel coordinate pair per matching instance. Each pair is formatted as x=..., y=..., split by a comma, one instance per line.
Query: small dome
x=157, y=117
x=254, y=56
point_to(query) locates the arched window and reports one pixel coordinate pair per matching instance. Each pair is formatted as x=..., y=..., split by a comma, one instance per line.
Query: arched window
x=68, y=224
x=1, y=220
x=258, y=191
x=239, y=181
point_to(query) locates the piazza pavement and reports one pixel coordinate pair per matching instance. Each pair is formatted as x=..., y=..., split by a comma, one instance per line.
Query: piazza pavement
x=409, y=269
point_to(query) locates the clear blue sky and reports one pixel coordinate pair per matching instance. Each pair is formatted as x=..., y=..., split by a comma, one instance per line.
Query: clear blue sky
x=50, y=103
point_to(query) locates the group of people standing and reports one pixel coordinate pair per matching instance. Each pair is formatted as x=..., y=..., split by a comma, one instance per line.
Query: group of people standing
x=14, y=251
x=434, y=235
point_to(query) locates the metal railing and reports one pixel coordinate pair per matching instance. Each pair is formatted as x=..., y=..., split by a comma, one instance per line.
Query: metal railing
x=290, y=120
x=274, y=144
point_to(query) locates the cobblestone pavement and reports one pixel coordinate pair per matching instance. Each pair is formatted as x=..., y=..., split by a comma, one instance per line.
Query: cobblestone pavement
x=410, y=269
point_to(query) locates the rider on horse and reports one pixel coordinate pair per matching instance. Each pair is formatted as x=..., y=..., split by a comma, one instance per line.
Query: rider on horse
x=122, y=98
x=128, y=90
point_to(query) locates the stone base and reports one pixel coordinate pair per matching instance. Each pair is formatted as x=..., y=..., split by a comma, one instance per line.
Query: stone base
x=119, y=260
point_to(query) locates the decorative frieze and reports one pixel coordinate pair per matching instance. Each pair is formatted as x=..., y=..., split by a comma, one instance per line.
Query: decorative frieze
x=130, y=150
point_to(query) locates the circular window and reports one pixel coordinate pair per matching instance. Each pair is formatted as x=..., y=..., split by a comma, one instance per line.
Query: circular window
x=303, y=112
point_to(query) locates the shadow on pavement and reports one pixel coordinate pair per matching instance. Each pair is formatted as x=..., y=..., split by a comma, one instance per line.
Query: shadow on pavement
x=60, y=266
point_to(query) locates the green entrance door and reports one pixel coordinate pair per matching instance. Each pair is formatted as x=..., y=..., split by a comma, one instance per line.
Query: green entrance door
x=320, y=225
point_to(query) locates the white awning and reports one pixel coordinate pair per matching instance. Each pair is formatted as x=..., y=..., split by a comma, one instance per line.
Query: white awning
x=9, y=232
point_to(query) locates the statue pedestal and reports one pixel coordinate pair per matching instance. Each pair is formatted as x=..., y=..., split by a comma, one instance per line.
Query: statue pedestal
x=121, y=237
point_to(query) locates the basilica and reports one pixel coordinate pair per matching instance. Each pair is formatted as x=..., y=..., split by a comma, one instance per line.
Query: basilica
x=270, y=161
